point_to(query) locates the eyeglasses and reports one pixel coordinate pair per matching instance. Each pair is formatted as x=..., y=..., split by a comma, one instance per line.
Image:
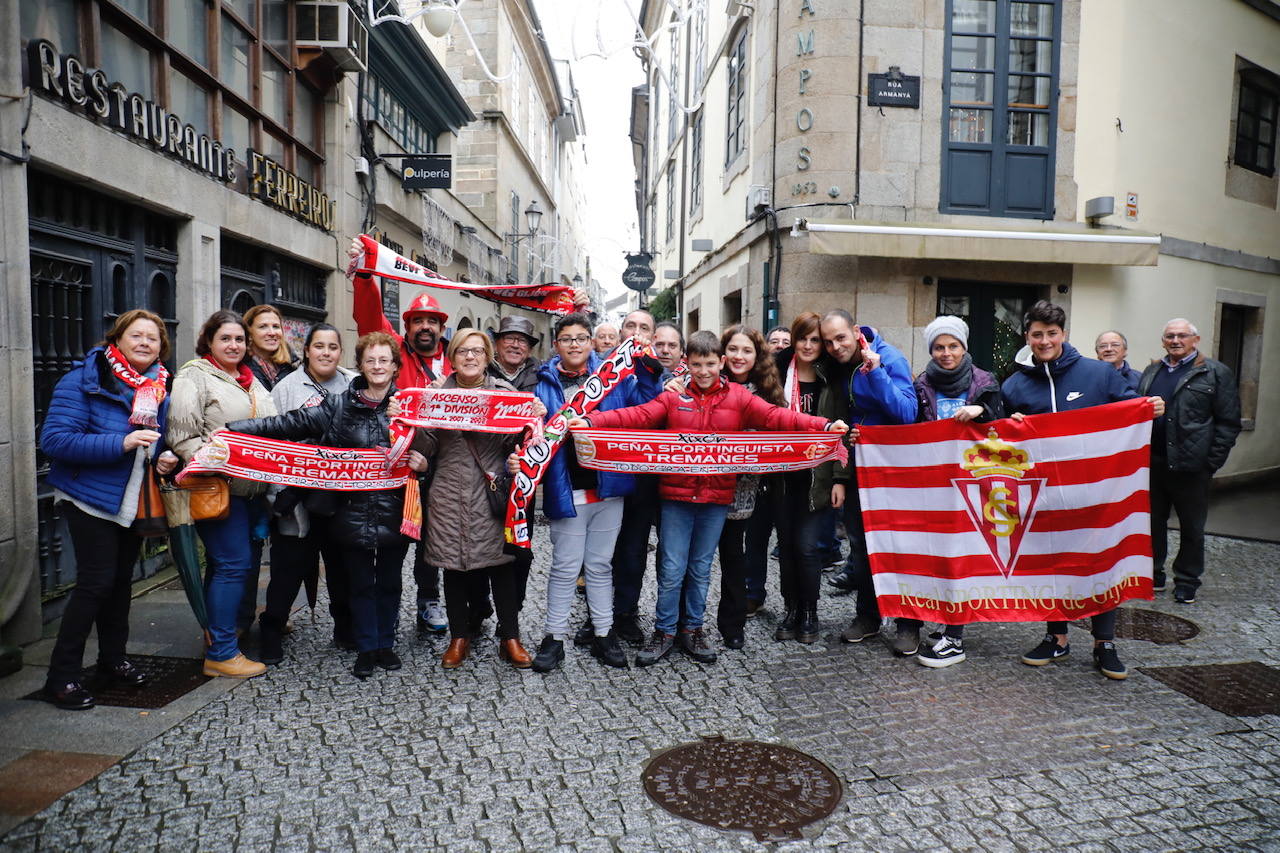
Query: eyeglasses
x=580, y=340
x=466, y=351
x=377, y=362
x=1177, y=336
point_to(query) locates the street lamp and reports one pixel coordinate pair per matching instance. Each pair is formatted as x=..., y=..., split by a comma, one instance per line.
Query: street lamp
x=532, y=218
x=577, y=280
x=439, y=19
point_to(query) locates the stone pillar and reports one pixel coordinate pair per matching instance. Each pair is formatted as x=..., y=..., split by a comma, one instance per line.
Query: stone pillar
x=19, y=581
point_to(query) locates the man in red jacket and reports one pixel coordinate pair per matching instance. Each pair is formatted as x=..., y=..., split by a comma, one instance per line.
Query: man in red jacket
x=694, y=507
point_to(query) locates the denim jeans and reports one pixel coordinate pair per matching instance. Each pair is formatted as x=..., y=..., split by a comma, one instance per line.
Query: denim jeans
x=690, y=534
x=228, y=559
x=375, y=576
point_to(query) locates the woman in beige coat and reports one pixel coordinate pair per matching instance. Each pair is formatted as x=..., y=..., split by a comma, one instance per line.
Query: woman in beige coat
x=208, y=393
x=463, y=537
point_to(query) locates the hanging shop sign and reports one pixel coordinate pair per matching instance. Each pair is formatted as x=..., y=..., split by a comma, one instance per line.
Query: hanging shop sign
x=65, y=77
x=282, y=189
x=427, y=172
x=894, y=89
x=639, y=275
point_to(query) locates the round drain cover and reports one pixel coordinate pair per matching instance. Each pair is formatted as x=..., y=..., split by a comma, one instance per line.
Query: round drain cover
x=1136, y=623
x=763, y=788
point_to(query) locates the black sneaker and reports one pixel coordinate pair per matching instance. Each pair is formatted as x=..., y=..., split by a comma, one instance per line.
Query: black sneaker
x=387, y=659
x=1184, y=595
x=364, y=665
x=628, y=630
x=841, y=582
x=861, y=628
x=1159, y=584
x=696, y=645
x=945, y=652
x=586, y=634
x=607, y=650
x=1108, y=661
x=787, y=627
x=905, y=642
x=550, y=655
x=69, y=697
x=1047, y=652
x=658, y=647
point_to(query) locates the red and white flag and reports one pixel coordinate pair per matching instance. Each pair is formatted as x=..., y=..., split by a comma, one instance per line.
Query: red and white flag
x=1048, y=519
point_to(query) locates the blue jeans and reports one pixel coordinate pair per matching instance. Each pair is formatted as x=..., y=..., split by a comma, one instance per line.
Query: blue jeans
x=690, y=535
x=228, y=559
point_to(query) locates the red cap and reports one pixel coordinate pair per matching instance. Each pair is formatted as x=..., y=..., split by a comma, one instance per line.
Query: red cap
x=425, y=303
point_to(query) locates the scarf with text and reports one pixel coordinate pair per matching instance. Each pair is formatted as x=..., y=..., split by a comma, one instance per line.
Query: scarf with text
x=536, y=453
x=289, y=463
x=380, y=261
x=148, y=392
x=666, y=452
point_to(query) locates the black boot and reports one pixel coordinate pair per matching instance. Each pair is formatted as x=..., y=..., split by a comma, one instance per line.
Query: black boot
x=550, y=655
x=270, y=640
x=787, y=627
x=586, y=634
x=607, y=650
x=807, y=629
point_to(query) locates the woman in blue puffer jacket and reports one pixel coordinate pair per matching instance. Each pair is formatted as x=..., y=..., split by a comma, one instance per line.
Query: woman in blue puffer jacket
x=105, y=422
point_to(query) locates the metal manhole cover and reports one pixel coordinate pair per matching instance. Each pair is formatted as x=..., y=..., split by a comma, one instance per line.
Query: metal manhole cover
x=1239, y=689
x=167, y=679
x=763, y=788
x=1135, y=623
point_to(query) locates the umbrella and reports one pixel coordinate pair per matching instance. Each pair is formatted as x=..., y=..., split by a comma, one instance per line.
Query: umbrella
x=183, y=546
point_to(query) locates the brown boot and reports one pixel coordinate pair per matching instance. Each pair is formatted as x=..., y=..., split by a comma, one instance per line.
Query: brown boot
x=236, y=667
x=512, y=651
x=457, y=652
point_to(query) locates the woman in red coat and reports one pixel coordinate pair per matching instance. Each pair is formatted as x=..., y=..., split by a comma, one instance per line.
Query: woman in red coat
x=694, y=506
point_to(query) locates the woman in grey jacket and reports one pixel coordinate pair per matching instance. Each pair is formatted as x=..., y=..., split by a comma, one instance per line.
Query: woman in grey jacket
x=296, y=543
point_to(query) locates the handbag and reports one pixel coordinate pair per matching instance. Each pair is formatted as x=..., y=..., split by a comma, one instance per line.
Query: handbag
x=210, y=497
x=151, y=519
x=499, y=490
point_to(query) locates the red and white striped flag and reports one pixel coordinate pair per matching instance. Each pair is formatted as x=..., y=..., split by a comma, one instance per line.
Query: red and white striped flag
x=1044, y=520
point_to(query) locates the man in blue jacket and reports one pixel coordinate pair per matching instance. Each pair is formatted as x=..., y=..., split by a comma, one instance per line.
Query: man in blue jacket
x=1053, y=376
x=583, y=506
x=875, y=387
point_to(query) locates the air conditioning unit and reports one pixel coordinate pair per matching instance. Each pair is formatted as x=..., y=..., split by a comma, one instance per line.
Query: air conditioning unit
x=334, y=27
x=758, y=197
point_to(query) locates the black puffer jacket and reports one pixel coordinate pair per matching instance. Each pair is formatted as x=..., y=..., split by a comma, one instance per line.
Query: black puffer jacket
x=363, y=519
x=1202, y=417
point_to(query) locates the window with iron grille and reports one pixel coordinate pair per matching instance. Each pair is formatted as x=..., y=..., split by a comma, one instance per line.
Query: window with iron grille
x=735, y=109
x=1255, y=143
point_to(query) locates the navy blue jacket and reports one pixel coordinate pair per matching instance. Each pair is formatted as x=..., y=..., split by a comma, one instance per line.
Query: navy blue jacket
x=1070, y=382
x=886, y=395
x=557, y=493
x=83, y=434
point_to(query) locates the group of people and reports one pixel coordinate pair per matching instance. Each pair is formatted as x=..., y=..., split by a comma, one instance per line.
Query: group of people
x=118, y=412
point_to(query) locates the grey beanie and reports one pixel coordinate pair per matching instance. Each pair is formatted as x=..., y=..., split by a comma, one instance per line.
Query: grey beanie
x=947, y=325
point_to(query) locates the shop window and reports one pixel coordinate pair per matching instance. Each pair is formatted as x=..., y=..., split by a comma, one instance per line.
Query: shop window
x=235, y=130
x=736, y=104
x=275, y=89
x=1239, y=345
x=1001, y=111
x=234, y=59
x=1255, y=137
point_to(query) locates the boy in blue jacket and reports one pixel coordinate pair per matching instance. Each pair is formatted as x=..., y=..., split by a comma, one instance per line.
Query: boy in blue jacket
x=1053, y=376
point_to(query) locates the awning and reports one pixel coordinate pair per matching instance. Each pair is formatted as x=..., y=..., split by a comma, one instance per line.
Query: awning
x=1054, y=242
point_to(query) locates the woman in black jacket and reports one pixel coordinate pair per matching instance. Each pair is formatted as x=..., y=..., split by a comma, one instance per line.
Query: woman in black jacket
x=366, y=523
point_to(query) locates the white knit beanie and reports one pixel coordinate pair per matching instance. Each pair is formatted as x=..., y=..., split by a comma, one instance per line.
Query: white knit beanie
x=947, y=325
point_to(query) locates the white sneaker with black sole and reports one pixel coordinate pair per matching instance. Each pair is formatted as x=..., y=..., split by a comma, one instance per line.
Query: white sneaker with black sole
x=944, y=652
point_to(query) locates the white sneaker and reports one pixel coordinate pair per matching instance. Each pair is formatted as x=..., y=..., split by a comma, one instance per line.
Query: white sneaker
x=433, y=614
x=945, y=652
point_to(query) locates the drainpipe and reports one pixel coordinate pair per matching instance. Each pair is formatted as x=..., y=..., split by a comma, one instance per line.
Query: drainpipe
x=857, y=142
x=684, y=179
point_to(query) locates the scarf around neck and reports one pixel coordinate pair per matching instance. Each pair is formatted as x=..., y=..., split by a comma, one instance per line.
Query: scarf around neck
x=148, y=390
x=243, y=377
x=951, y=383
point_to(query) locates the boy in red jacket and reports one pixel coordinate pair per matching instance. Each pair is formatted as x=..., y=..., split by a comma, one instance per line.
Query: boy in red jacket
x=694, y=507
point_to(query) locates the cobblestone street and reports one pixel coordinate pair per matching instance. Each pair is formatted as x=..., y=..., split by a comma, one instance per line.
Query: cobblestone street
x=987, y=755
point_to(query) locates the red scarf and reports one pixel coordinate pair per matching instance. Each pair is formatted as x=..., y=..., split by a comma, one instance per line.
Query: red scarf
x=244, y=376
x=148, y=393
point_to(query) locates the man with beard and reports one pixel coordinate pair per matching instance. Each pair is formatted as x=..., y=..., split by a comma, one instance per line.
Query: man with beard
x=422, y=361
